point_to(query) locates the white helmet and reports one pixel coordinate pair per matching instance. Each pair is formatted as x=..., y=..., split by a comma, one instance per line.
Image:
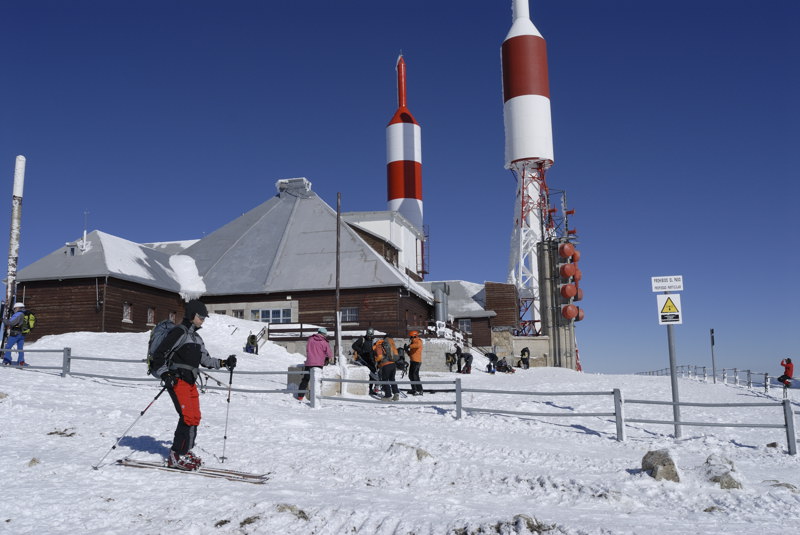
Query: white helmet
x=19, y=304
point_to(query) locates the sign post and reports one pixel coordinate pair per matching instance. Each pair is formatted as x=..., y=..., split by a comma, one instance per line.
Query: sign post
x=669, y=314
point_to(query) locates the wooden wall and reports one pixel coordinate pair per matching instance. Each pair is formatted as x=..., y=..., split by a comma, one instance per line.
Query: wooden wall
x=380, y=308
x=94, y=305
x=502, y=298
x=141, y=298
x=481, y=332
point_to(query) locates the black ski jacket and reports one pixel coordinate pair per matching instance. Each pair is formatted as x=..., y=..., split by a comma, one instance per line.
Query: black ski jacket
x=363, y=346
x=187, y=357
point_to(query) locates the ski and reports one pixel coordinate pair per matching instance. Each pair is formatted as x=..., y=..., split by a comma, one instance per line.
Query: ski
x=216, y=473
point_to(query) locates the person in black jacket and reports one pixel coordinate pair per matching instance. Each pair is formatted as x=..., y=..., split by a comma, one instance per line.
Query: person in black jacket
x=525, y=358
x=366, y=355
x=180, y=374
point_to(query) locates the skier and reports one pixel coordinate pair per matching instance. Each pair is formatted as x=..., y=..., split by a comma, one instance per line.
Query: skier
x=788, y=372
x=366, y=355
x=524, y=358
x=179, y=376
x=415, y=355
x=385, y=351
x=458, y=358
x=318, y=354
x=15, y=335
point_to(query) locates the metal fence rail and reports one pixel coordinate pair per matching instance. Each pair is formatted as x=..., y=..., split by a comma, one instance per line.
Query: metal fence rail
x=314, y=392
x=788, y=416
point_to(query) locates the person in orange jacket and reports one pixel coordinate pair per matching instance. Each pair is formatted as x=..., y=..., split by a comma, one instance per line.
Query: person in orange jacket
x=385, y=358
x=415, y=355
x=788, y=372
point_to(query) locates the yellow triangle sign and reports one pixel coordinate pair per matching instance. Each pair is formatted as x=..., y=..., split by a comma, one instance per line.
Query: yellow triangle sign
x=669, y=307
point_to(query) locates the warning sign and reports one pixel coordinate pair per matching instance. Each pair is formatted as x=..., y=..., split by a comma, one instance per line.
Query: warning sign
x=669, y=309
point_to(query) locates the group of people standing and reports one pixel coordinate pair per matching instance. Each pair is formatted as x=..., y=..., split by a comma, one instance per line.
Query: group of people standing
x=382, y=357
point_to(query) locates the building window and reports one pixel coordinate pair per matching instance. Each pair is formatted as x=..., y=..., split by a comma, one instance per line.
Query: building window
x=238, y=313
x=465, y=326
x=223, y=312
x=151, y=316
x=272, y=315
x=127, y=313
x=349, y=314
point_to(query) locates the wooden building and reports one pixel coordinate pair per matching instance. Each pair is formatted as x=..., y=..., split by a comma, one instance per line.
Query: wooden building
x=274, y=263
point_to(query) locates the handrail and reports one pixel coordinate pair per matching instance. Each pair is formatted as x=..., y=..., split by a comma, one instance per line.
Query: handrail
x=616, y=394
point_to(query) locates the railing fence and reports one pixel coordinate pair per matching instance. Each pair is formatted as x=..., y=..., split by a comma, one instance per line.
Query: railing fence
x=314, y=393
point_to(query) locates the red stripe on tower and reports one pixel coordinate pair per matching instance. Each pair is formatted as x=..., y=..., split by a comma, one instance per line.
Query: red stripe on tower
x=404, y=157
x=526, y=91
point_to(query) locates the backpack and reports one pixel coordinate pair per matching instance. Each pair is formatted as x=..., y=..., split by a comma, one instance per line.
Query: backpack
x=391, y=356
x=28, y=322
x=157, y=336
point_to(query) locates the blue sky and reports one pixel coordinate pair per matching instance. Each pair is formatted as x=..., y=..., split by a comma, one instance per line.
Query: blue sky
x=675, y=131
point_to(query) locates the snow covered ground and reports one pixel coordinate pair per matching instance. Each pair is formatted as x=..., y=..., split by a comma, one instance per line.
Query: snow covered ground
x=377, y=468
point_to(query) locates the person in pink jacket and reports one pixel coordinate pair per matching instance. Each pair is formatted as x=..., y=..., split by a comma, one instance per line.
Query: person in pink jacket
x=318, y=354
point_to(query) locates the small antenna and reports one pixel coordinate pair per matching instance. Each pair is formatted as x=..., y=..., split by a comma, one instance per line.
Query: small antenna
x=85, y=224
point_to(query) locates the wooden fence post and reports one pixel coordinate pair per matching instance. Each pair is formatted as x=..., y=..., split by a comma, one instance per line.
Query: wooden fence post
x=620, y=417
x=66, y=361
x=458, y=398
x=791, y=438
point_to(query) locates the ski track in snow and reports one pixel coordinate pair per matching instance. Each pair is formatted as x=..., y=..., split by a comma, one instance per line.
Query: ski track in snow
x=376, y=468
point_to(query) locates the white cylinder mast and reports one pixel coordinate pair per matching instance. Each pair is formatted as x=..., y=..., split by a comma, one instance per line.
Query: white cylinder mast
x=16, y=225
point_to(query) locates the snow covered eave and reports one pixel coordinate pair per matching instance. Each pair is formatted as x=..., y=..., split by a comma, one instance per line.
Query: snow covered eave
x=412, y=288
x=102, y=275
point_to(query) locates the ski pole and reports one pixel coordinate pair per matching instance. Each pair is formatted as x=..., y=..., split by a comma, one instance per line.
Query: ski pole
x=227, y=412
x=96, y=466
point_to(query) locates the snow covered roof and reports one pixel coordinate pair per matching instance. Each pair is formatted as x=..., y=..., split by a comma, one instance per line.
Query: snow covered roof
x=288, y=243
x=105, y=255
x=465, y=300
x=171, y=247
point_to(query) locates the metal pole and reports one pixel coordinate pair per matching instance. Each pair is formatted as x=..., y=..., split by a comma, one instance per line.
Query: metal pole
x=713, y=362
x=338, y=341
x=97, y=465
x=676, y=409
x=227, y=412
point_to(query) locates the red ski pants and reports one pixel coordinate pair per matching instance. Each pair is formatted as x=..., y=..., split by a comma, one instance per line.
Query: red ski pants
x=186, y=399
x=187, y=402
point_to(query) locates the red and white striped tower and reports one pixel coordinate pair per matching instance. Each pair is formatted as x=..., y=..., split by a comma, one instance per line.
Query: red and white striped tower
x=404, y=157
x=529, y=151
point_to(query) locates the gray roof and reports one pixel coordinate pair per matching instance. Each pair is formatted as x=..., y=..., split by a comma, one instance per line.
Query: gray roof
x=104, y=255
x=465, y=300
x=285, y=244
x=288, y=244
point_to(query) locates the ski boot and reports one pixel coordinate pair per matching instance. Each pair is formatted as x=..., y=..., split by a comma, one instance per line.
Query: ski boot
x=181, y=462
